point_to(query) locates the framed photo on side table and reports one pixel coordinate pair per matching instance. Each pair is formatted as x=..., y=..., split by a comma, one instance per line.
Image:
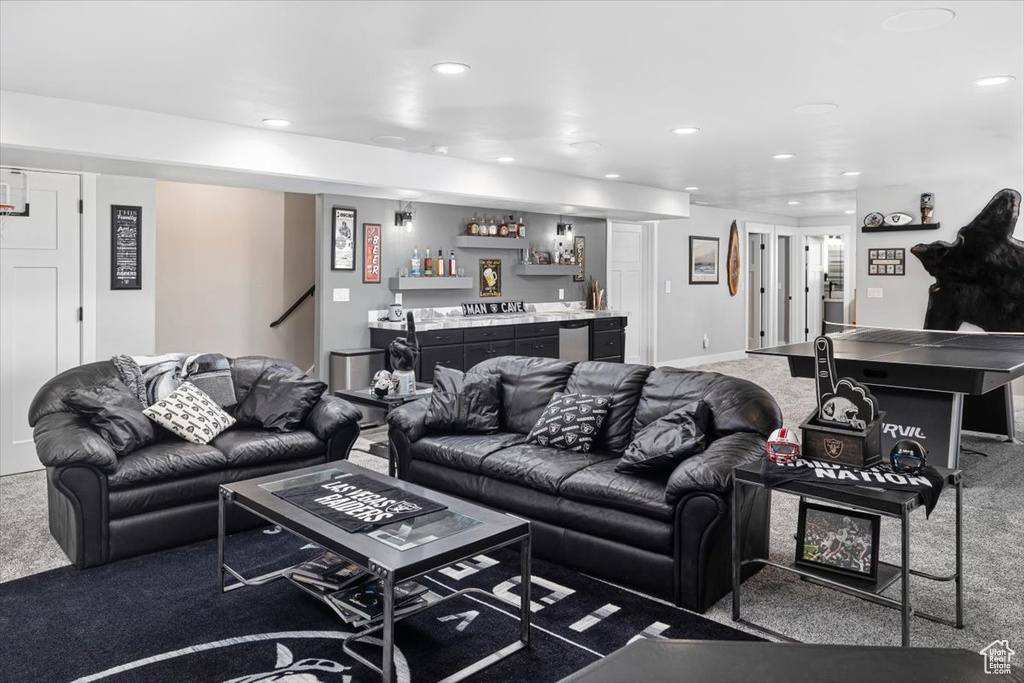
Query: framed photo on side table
x=704, y=260
x=838, y=540
x=343, y=239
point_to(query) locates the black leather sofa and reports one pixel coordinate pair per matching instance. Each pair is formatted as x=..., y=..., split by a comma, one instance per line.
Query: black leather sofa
x=668, y=536
x=164, y=495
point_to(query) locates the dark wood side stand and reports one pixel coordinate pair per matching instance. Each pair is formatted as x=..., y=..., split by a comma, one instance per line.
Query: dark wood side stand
x=889, y=503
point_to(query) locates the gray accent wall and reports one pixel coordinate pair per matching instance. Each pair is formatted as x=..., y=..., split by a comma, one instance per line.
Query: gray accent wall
x=342, y=325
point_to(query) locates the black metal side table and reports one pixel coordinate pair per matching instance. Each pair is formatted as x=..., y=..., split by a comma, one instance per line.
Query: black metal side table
x=889, y=503
x=384, y=405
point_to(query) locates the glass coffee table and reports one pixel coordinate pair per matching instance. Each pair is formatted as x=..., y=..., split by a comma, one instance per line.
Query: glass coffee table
x=392, y=553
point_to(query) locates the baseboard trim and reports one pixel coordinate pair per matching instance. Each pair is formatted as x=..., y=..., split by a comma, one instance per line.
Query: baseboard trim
x=703, y=360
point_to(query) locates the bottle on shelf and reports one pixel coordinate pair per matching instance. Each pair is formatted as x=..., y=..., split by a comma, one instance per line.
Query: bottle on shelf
x=492, y=228
x=415, y=263
x=428, y=264
x=503, y=228
x=473, y=226
x=513, y=227
x=439, y=263
x=451, y=264
x=521, y=229
x=559, y=252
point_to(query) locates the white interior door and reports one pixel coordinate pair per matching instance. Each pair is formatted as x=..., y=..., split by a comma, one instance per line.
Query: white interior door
x=755, y=291
x=625, y=283
x=783, y=290
x=40, y=293
x=814, y=267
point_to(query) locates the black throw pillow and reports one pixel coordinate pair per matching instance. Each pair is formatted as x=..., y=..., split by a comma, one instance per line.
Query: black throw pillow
x=279, y=400
x=666, y=442
x=115, y=413
x=570, y=422
x=464, y=403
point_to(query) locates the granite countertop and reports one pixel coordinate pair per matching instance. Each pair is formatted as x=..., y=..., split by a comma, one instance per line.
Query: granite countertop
x=452, y=322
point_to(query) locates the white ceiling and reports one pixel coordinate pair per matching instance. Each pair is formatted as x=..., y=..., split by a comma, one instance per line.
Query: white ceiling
x=545, y=75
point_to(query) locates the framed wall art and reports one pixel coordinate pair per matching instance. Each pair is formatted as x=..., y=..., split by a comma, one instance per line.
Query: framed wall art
x=838, y=540
x=343, y=239
x=125, y=247
x=490, y=277
x=704, y=260
x=579, y=246
x=371, y=253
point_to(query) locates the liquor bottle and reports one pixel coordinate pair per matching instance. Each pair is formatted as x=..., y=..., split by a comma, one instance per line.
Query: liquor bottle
x=439, y=263
x=513, y=227
x=414, y=263
x=473, y=226
x=503, y=228
x=521, y=229
x=428, y=264
x=561, y=255
x=451, y=264
x=492, y=229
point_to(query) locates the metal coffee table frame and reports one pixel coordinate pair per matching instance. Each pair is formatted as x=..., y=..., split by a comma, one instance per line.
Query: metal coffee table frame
x=389, y=576
x=889, y=503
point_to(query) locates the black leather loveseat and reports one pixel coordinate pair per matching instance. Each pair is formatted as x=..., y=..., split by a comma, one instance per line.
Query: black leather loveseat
x=104, y=508
x=668, y=536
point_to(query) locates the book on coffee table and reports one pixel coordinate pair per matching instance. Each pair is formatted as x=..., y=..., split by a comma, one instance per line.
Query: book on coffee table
x=367, y=599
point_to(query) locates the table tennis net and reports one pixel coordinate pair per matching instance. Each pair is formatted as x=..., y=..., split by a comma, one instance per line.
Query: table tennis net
x=961, y=339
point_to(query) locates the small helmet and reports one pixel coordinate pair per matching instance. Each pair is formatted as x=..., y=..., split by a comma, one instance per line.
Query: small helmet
x=382, y=383
x=907, y=456
x=783, y=447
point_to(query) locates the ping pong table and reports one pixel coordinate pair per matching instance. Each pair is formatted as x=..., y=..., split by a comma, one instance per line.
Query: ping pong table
x=921, y=379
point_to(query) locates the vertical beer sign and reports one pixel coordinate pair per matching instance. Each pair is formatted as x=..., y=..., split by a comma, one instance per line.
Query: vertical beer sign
x=125, y=247
x=371, y=253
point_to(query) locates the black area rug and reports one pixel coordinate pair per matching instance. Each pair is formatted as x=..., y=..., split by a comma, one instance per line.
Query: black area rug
x=160, y=618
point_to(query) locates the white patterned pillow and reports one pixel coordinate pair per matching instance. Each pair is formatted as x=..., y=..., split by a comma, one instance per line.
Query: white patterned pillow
x=190, y=414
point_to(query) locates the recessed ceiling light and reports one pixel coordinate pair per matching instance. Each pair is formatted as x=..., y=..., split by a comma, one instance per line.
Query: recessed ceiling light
x=387, y=139
x=792, y=202
x=588, y=145
x=450, y=68
x=816, y=108
x=686, y=130
x=611, y=176
x=851, y=173
x=692, y=188
x=993, y=80
x=439, y=149
x=505, y=160
x=277, y=123
x=850, y=211
x=918, y=20
x=783, y=155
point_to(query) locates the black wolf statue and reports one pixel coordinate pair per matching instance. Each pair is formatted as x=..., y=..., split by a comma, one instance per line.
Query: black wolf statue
x=979, y=277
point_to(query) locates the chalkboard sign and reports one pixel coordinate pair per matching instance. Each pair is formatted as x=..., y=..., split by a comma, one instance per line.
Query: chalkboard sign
x=125, y=247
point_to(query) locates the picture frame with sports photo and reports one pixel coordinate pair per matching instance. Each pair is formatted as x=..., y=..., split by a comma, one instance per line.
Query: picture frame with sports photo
x=838, y=540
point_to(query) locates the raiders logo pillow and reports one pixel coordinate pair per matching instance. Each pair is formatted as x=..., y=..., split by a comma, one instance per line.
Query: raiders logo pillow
x=570, y=422
x=189, y=413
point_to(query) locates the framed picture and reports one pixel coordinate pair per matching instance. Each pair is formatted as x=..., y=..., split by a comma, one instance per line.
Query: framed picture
x=343, y=239
x=371, y=253
x=838, y=540
x=544, y=258
x=704, y=260
x=490, y=277
x=579, y=246
x=125, y=247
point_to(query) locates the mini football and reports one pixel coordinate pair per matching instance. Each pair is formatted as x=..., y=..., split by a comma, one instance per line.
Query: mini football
x=873, y=220
x=898, y=218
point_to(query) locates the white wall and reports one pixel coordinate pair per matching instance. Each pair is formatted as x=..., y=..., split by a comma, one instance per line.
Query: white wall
x=125, y=318
x=690, y=311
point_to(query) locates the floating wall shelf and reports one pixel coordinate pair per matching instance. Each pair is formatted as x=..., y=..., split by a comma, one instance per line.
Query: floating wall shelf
x=537, y=269
x=901, y=228
x=400, y=284
x=470, y=242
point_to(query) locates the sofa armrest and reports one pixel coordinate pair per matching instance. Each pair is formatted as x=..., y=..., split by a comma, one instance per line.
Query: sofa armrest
x=330, y=415
x=712, y=469
x=66, y=439
x=410, y=419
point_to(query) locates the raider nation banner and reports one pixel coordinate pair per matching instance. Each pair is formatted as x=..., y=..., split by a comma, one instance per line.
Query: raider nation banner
x=928, y=482
x=357, y=502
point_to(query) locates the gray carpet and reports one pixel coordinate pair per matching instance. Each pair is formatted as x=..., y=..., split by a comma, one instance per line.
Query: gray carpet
x=993, y=517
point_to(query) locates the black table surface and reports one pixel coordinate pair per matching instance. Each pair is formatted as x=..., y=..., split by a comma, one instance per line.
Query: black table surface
x=885, y=501
x=695, y=661
x=367, y=397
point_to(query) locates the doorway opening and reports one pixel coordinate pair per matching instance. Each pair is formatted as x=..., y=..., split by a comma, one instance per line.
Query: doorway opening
x=756, y=275
x=784, y=288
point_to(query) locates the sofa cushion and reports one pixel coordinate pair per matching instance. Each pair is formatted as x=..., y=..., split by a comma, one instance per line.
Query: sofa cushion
x=667, y=441
x=736, y=404
x=279, y=400
x=601, y=485
x=539, y=467
x=190, y=414
x=527, y=384
x=464, y=452
x=464, y=403
x=623, y=383
x=115, y=413
x=165, y=460
x=247, y=369
x=251, y=446
x=50, y=397
x=570, y=422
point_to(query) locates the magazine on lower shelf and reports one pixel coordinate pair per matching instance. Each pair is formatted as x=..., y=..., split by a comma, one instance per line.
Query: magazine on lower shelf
x=328, y=571
x=366, y=600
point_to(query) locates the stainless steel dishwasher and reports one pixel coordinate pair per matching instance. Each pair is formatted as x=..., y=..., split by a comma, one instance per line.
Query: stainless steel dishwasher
x=574, y=340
